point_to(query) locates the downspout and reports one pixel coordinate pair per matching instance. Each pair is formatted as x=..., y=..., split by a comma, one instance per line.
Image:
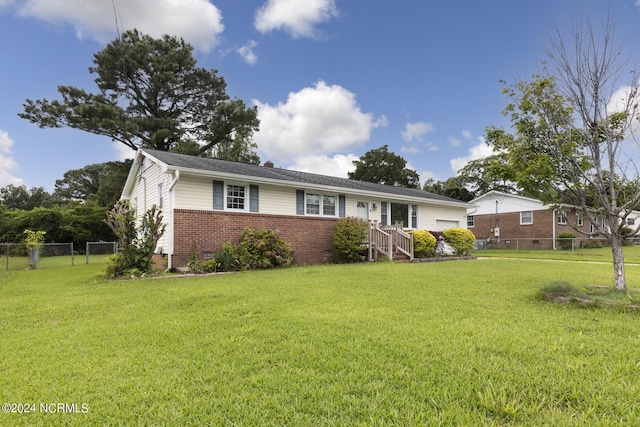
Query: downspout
x=172, y=196
x=553, y=227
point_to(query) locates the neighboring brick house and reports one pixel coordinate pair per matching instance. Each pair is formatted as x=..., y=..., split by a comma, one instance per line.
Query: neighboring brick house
x=506, y=220
x=208, y=202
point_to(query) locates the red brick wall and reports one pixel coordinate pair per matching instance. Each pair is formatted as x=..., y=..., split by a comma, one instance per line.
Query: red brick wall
x=510, y=228
x=309, y=237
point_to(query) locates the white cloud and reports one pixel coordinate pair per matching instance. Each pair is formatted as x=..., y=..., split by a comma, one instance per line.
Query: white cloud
x=123, y=151
x=7, y=164
x=5, y=3
x=197, y=21
x=316, y=120
x=478, y=151
x=247, y=53
x=298, y=18
x=455, y=142
x=415, y=131
x=466, y=134
x=338, y=165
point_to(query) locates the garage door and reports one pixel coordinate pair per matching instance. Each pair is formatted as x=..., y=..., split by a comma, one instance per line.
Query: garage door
x=443, y=224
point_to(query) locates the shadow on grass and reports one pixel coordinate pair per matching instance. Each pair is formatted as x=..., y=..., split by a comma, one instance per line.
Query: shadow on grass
x=591, y=296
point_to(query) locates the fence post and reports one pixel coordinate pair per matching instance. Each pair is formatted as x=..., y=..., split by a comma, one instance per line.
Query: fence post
x=87, y=253
x=7, y=253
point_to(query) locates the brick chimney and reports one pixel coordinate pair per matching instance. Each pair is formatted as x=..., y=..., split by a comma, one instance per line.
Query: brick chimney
x=268, y=164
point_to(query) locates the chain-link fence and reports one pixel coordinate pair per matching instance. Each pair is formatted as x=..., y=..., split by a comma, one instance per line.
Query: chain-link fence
x=17, y=256
x=541, y=243
x=99, y=251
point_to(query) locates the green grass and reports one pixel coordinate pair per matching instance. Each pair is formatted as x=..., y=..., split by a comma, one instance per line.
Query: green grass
x=632, y=254
x=14, y=263
x=457, y=343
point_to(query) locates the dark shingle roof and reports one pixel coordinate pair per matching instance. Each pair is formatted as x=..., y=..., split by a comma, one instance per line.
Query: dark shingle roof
x=272, y=173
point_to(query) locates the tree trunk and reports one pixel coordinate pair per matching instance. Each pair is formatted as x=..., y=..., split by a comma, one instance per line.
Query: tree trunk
x=618, y=264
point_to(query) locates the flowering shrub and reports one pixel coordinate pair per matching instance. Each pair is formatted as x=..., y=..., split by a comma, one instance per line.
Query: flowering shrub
x=262, y=249
x=461, y=239
x=424, y=244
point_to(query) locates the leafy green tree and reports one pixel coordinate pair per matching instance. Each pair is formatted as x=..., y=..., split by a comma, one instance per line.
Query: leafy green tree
x=101, y=182
x=19, y=197
x=569, y=141
x=151, y=94
x=487, y=174
x=384, y=167
x=453, y=187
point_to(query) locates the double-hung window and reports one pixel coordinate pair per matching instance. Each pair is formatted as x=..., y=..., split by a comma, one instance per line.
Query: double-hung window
x=580, y=219
x=562, y=217
x=470, y=221
x=526, y=217
x=329, y=205
x=236, y=197
x=313, y=204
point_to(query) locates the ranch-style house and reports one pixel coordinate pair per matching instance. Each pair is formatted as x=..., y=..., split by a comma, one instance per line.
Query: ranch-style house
x=207, y=202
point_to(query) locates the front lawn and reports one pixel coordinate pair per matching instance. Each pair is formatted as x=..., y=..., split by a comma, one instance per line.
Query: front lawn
x=631, y=254
x=457, y=343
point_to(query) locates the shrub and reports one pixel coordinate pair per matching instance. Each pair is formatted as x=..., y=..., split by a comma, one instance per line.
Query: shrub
x=349, y=238
x=424, y=244
x=591, y=244
x=627, y=234
x=565, y=240
x=228, y=259
x=461, y=239
x=262, y=249
x=136, y=244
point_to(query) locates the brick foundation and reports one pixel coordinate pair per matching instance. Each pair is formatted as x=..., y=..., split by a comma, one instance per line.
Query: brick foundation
x=311, y=238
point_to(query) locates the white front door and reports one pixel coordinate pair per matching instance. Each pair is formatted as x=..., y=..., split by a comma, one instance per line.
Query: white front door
x=362, y=210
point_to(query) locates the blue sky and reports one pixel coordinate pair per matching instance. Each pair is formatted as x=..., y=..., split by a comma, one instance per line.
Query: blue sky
x=332, y=79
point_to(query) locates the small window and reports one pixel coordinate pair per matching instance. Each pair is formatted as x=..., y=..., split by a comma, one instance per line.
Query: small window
x=526, y=217
x=160, y=198
x=329, y=205
x=580, y=220
x=470, y=220
x=562, y=218
x=235, y=197
x=313, y=204
x=384, y=218
x=414, y=216
x=631, y=222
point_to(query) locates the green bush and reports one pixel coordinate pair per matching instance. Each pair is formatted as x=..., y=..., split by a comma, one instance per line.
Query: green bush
x=261, y=249
x=591, y=244
x=424, y=244
x=228, y=259
x=565, y=240
x=349, y=238
x=627, y=234
x=461, y=239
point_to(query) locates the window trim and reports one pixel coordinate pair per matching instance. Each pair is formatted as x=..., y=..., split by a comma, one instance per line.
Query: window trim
x=521, y=218
x=470, y=221
x=221, y=196
x=245, y=196
x=562, y=218
x=321, y=206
